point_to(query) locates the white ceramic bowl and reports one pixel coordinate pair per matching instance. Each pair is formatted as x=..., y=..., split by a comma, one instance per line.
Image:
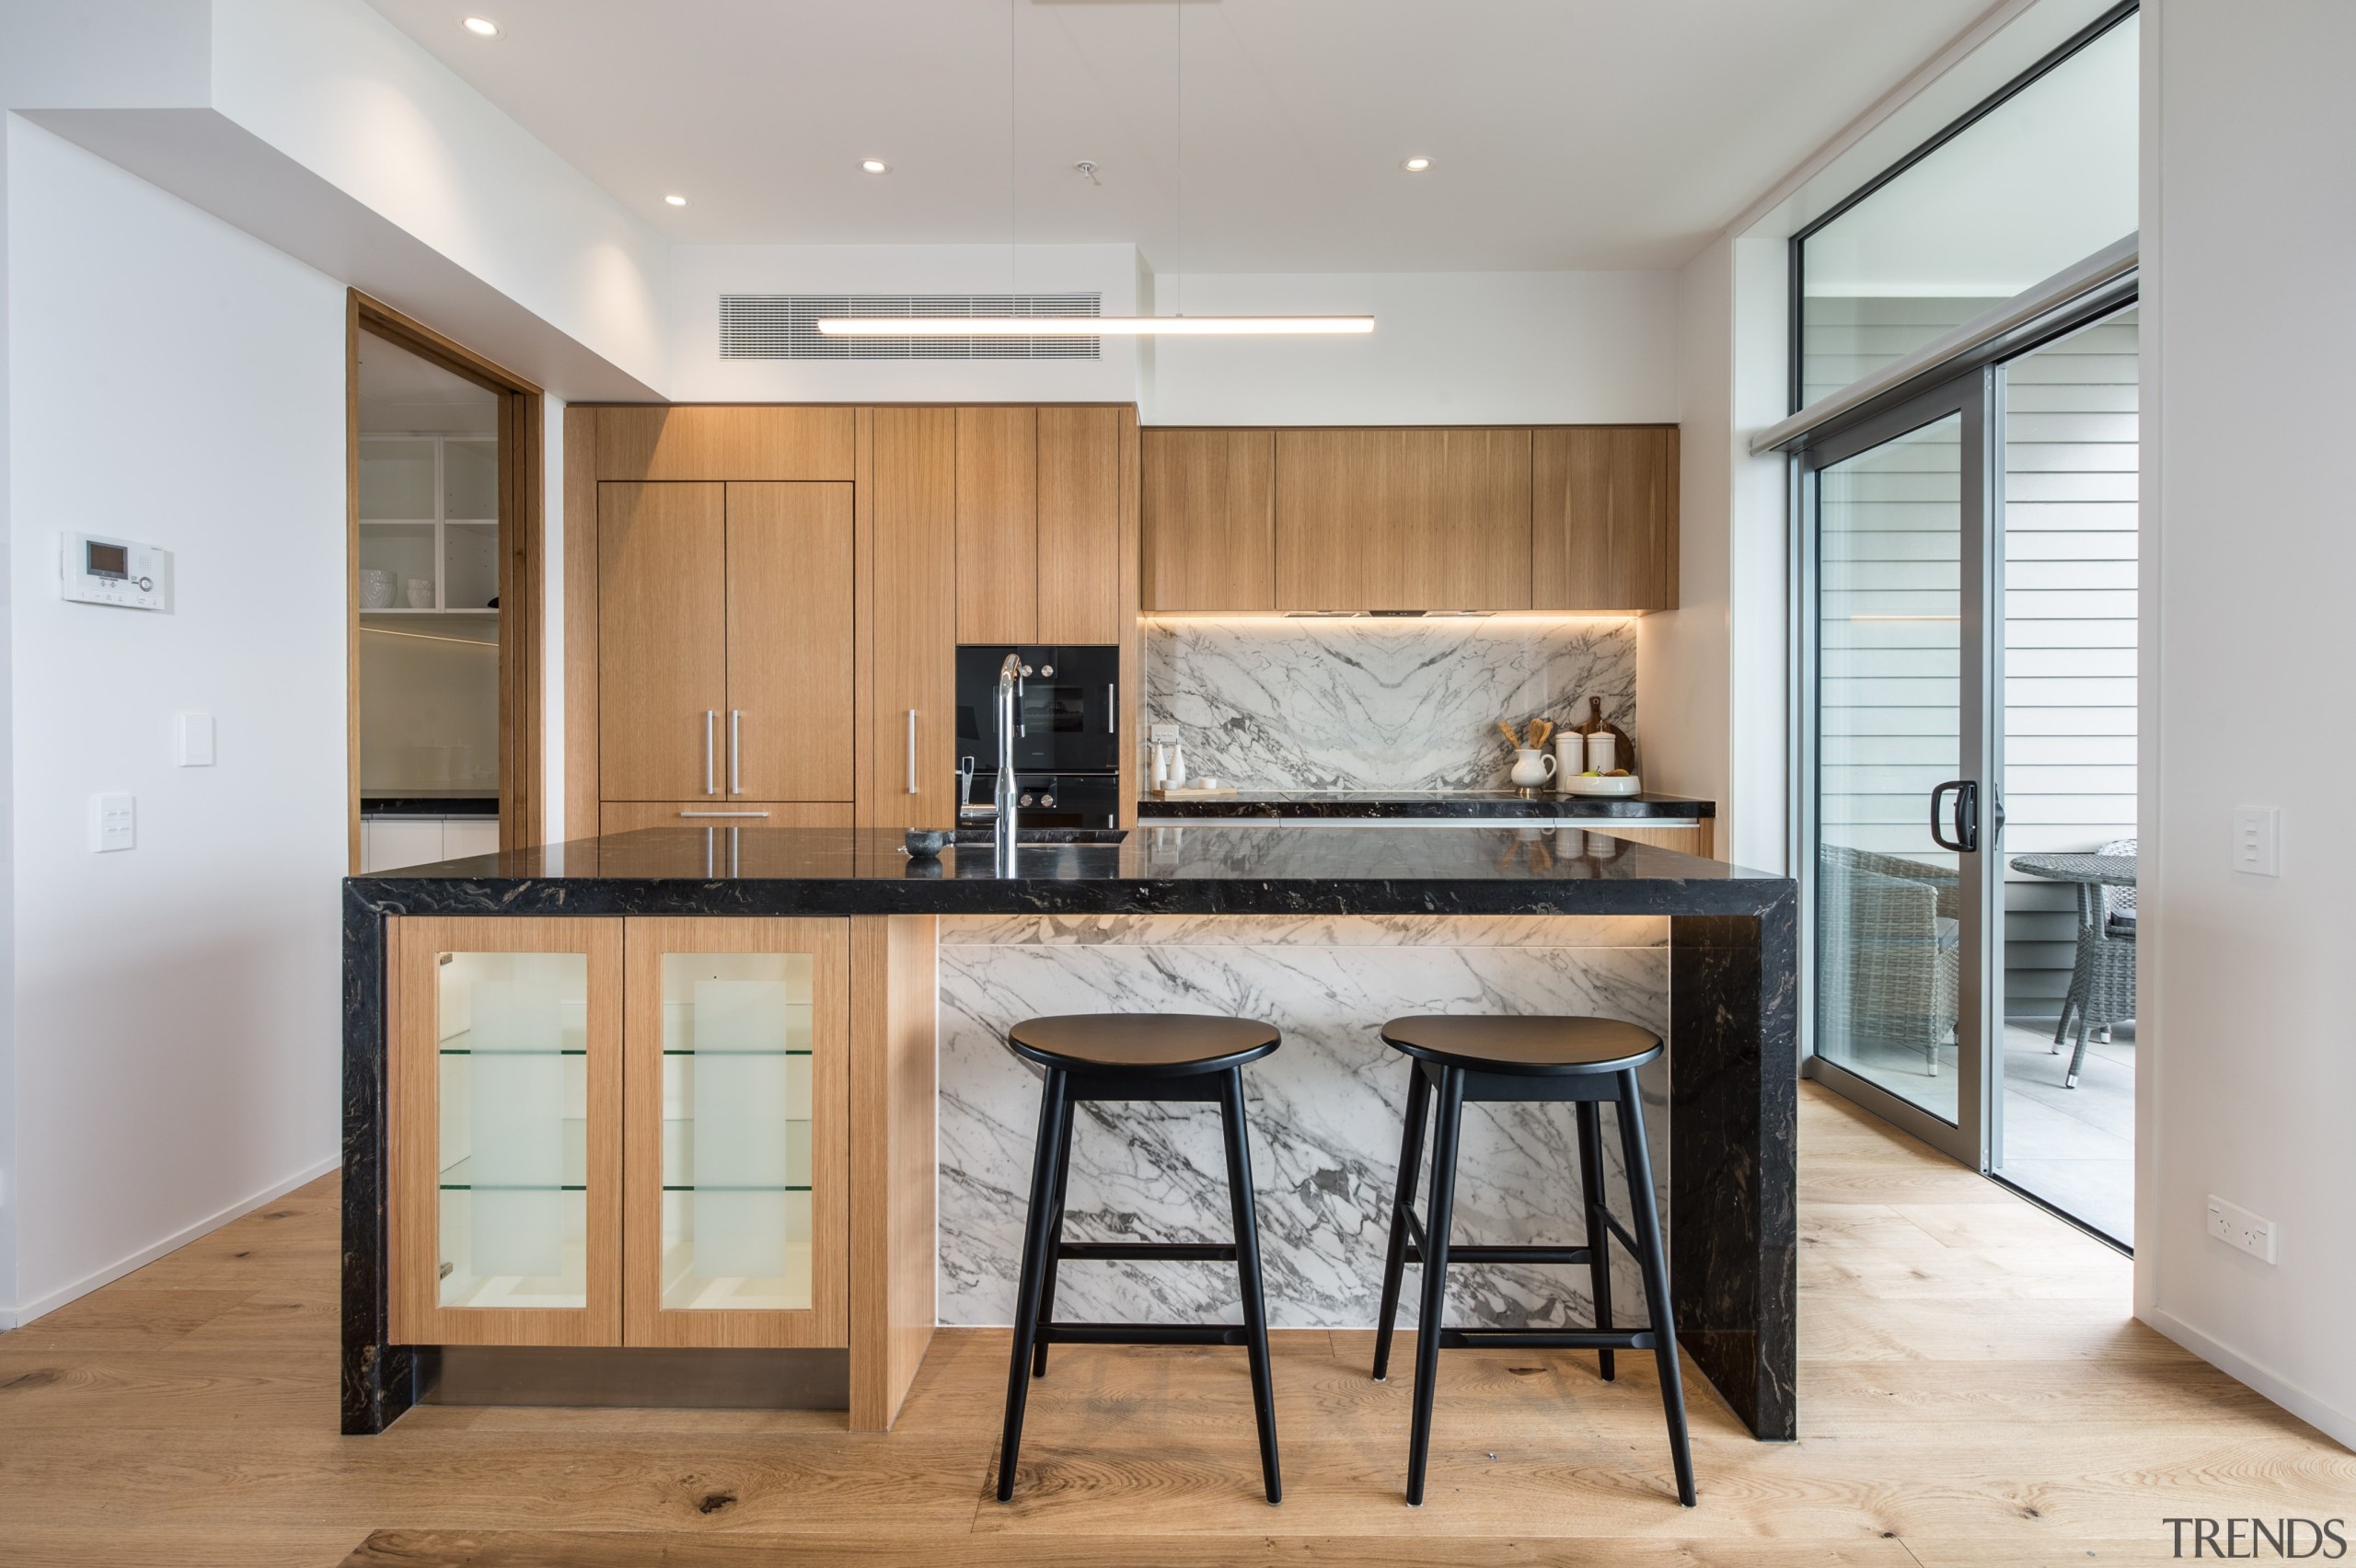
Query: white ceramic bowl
x=375, y=590
x=1580, y=784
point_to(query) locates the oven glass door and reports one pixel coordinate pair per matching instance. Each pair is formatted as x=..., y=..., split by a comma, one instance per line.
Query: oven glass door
x=1064, y=720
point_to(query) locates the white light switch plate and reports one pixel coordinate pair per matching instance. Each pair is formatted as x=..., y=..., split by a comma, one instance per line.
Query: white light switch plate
x=194, y=740
x=114, y=822
x=2257, y=840
x=2237, y=1227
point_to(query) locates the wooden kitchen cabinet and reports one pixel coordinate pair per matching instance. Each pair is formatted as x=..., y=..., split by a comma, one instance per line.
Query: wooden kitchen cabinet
x=504, y=1131
x=623, y=816
x=619, y=1131
x=1078, y=536
x=1604, y=509
x=736, y=1089
x=1403, y=519
x=1210, y=520
x=912, y=729
x=725, y=656
x=750, y=441
x=998, y=525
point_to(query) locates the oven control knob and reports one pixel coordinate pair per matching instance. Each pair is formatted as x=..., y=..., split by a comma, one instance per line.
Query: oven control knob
x=1046, y=799
x=1027, y=670
x=1026, y=799
x=1047, y=669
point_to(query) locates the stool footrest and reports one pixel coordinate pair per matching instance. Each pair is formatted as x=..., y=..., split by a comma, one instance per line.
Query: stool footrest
x=1143, y=1333
x=1548, y=1339
x=1153, y=1252
x=1463, y=1253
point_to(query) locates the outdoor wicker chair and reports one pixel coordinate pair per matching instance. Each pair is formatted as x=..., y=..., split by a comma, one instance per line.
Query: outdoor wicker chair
x=1892, y=960
x=2102, y=981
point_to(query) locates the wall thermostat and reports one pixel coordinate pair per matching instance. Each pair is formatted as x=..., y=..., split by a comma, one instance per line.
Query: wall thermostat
x=99, y=571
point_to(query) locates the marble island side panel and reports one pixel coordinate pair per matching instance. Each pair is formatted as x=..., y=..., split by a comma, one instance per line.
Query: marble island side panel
x=1325, y=1109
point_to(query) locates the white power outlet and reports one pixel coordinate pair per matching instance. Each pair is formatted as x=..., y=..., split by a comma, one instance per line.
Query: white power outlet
x=2237, y=1227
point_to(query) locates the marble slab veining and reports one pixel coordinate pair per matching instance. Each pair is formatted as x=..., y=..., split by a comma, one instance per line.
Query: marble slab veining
x=1325, y=1110
x=1377, y=704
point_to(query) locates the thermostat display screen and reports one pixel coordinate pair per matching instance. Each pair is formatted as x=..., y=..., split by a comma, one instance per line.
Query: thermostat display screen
x=109, y=560
x=123, y=572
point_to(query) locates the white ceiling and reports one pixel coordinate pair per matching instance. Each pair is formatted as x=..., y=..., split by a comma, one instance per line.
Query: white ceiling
x=1563, y=134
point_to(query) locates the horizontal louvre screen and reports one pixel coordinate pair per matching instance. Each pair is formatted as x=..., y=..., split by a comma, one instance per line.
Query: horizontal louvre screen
x=786, y=327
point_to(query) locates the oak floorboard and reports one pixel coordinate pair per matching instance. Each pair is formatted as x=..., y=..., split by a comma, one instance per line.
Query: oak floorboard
x=1973, y=1390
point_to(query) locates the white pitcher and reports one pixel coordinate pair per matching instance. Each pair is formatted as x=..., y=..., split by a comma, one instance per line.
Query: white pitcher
x=1531, y=768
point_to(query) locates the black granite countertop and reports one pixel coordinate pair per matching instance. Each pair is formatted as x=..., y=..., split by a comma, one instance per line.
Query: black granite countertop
x=1172, y=869
x=1436, y=803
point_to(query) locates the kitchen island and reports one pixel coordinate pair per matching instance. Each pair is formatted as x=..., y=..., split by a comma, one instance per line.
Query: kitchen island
x=1325, y=931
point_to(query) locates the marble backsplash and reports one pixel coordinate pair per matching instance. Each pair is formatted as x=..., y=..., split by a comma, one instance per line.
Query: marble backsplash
x=1372, y=704
x=1325, y=1109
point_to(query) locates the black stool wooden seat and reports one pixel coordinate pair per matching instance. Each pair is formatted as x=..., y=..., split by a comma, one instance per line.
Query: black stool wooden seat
x=1587, y=1061
x=1179, y=1056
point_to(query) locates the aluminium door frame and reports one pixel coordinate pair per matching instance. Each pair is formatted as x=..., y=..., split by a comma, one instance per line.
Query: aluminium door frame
x=1973, y=395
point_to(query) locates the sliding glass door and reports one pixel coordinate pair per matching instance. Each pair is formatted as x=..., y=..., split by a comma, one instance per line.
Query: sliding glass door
x=1902, y=822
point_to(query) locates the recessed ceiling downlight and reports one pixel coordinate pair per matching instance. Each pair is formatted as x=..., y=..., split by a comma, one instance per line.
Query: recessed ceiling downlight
x=676, y=200
x=874, y=166
x=1416, y=165
x=482, y=26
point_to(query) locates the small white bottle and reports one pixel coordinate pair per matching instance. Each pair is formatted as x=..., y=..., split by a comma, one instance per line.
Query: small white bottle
x=1160, y=766
x=1177, y=779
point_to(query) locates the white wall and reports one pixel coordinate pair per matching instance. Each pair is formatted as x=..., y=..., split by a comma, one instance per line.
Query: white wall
x=702, y=273
x=2249, y=1075
x=1447, y=348
x=175, y=1007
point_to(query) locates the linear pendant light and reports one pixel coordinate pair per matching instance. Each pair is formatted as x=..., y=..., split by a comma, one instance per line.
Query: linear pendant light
x=1093, y=326
x=1086, y=326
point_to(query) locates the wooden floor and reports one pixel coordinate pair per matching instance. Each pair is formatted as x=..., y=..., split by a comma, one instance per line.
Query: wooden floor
x=1971, y=1392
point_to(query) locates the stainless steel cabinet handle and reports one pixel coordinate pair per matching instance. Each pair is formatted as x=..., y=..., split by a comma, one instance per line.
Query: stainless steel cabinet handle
x=708, y=717
x=1112, y=708
x=724, y=814
x=736, y=754
x=912, y=751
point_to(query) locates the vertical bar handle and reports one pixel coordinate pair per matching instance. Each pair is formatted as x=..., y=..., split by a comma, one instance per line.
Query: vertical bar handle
x=736, y=752
x=708, y=787
x=912, y=751
x=1112, y=708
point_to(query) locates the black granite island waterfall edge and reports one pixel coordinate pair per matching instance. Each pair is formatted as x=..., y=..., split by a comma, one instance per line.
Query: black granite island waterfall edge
x=1733, y=1007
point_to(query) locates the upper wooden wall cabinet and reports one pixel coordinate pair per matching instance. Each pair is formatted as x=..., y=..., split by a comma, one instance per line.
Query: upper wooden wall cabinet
x=1038, y=525
x=1514, y=518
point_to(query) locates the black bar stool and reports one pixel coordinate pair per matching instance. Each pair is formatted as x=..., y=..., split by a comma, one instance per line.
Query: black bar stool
x=1587, y=1061
x=1179, y=1056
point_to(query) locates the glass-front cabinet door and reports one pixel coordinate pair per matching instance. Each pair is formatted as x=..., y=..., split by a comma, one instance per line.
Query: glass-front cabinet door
x=504, y=1124
x=737, y=1087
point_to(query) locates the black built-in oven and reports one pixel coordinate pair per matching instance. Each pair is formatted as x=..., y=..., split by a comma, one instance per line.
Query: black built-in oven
x=1066, y=707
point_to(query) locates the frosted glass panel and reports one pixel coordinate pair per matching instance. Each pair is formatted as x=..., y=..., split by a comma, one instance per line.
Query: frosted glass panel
x=513, y=1028
x=736, y=1108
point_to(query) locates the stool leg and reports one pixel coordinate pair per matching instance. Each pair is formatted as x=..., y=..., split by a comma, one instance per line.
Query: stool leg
x=1055, y=1243
x=1411, y=1155
x=1445, y=1126
x=1036, y=1248
x=1647, y=1217
x=1598, y=1235
x=1247, y=1269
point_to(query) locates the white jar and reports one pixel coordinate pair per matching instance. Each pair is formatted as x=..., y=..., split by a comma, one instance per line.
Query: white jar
x=1602, y=752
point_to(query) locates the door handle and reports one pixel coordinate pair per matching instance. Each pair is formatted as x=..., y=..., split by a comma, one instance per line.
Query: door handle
x=736, y=754
x=724, y=814
x=1967, y=815
x=710, y=717
x=912, y=751
x=1112, y=708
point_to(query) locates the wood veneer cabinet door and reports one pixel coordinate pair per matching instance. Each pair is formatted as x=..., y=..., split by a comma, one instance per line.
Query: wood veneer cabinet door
x=662, y=639
x=736, y=1125
x=1079, y=543
x=913, y=731
x=624, y=816
x=998, y=518
x=1403, y=519
x=504, y=1120
x=1210, y=520
x=1604, y=503
x=788, y=724
x=760, y=441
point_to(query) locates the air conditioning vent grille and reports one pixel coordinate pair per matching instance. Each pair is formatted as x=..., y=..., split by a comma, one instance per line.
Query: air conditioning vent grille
x=785, y=327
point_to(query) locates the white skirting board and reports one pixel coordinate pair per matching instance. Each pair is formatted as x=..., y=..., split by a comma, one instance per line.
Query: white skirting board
x=2337, y=1425
x=18, y=1316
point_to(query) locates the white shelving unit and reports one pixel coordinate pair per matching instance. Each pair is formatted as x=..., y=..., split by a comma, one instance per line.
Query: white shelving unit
x=429, y=511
